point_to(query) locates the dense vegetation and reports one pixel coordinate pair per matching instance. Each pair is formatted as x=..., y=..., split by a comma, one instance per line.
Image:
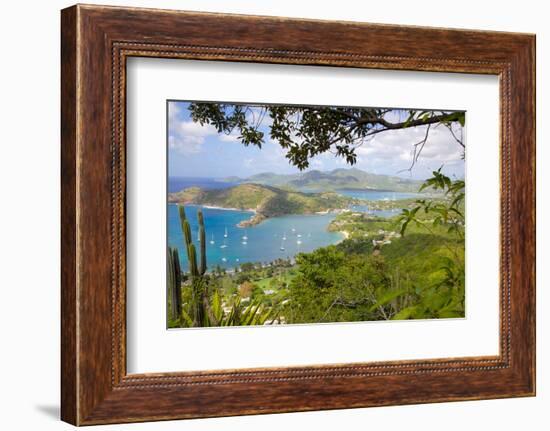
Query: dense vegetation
x=407, y=267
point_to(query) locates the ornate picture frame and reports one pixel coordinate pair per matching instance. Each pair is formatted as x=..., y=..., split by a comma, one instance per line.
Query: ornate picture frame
x=96, y=41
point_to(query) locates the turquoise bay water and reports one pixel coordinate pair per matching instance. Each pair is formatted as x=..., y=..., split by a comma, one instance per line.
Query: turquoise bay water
x=264, y=241
x=303, y=233
x=377, y=195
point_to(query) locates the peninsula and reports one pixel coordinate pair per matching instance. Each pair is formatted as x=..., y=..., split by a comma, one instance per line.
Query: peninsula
x=265, y=201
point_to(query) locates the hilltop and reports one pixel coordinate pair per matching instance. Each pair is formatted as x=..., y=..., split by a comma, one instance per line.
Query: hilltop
x=265, y=201
x=336, y=179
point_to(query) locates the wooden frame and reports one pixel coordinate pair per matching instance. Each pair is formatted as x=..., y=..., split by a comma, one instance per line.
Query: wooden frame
x=96, y=41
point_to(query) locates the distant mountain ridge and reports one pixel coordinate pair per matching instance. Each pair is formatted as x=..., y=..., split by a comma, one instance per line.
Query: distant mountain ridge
x=337, y=179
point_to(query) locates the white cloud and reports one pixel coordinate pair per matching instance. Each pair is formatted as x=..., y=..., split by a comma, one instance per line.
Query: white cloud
x=233, y=137
x=398, y=145
x=191, y=128
x=186, y=144
x=316, y=164
x=187, y=137
x=173, y=112
x=390, y=152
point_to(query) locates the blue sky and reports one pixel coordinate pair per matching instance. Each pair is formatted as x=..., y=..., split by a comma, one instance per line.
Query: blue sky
x=199, y=151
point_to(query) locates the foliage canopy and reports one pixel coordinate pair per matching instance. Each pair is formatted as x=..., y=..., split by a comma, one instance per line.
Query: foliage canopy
x=305, y=132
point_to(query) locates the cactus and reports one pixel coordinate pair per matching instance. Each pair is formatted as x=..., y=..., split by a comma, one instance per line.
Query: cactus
x=174, y=282
x=195, y=269
x=202, y=239
x=199, y=294
x=183, y=217
x=170, y=276
x=202, y=309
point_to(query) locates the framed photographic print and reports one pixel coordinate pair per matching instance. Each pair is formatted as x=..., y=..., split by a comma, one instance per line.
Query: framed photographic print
x=260, y=217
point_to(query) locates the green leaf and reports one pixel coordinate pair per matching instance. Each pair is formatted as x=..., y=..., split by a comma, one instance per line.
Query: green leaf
x=406, y=313
x=450, y=314
x=386, y=298
x=404, y=227
x=186, y=318
x=462, y=118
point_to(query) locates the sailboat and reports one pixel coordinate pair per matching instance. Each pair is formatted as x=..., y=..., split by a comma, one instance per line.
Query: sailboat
x=299, y=235
x=212, y=240
x=282, y=246
x=298, y=242
x=245, y=237
x=224, y=245
x=293, y=230
x=225, y=234
x=224, y=259
x=284, y=236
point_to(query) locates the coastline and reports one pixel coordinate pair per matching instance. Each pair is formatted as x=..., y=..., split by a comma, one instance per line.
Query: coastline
x=345, y=235
x=214, y=207
x=263, y=242
x=256, y=219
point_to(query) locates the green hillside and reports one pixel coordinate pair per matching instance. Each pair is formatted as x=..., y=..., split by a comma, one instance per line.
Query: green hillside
x=267, y=201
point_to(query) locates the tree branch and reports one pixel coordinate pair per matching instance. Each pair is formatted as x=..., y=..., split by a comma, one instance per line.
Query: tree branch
x=417, y=151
